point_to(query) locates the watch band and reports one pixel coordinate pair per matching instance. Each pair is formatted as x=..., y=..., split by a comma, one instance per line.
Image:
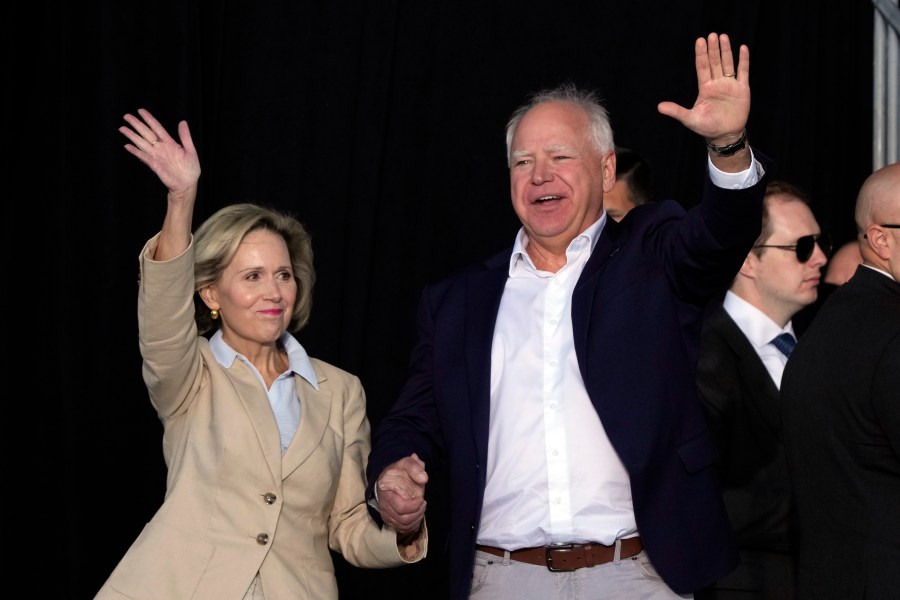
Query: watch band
x=729, y=149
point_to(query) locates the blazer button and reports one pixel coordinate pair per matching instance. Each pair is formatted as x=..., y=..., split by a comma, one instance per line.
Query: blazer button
x=262, y=539
x=270, y=498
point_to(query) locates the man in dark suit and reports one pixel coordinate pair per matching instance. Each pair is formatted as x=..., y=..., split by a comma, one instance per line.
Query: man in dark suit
x=738, y=376
x=556, y=380
x=841, y=410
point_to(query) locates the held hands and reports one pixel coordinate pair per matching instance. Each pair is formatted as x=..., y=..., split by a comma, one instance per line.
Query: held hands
x=723, y=100
x=401, y=494
x=176, y=165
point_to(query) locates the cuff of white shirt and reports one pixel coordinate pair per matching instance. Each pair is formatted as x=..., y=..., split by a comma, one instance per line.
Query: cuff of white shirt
x=736, y=181
x=373, y=501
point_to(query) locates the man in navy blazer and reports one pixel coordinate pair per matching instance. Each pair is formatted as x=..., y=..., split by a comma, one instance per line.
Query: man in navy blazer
x=555, y=381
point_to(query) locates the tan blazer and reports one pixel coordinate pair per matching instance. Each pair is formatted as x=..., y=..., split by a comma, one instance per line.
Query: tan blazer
x=233, y=505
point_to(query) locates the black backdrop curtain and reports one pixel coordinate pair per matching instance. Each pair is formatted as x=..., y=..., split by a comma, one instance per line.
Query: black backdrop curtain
x=380, y=124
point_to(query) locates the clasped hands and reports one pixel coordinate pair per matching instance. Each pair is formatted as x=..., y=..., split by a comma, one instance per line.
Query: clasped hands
x=400, y=491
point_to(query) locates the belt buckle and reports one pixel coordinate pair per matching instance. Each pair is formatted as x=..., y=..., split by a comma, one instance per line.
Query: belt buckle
x=554, y=548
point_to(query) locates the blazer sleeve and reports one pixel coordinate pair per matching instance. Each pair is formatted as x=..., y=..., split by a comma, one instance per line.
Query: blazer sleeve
x=169, y=343
x=359, y=539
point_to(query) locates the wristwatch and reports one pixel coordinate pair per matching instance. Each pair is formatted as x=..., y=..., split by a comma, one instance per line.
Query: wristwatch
x=729, y=149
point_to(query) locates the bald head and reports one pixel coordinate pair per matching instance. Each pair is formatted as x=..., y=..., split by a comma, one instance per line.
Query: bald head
x=878, y=219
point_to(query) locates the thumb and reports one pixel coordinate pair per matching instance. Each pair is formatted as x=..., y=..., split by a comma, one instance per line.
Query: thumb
x=670, y=109
x=419, y=476
x=184, y=134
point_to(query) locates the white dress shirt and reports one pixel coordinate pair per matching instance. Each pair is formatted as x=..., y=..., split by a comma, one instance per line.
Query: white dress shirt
x=759, y=330
x=552, y=473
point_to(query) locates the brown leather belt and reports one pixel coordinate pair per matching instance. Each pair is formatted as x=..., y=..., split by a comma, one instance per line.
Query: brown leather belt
x=568, y=557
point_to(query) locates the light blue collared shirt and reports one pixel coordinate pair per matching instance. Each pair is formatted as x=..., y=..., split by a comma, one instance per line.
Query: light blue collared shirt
x=283, y=395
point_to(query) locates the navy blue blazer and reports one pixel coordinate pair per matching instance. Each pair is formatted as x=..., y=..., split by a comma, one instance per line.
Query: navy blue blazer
x=636, y=314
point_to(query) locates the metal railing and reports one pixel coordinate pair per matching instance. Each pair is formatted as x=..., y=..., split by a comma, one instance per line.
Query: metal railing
x=886, y=83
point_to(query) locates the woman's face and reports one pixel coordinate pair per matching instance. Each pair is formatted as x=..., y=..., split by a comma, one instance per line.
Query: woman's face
x=255, y=294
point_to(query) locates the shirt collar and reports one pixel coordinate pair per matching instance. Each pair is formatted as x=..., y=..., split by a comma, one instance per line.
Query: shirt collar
x=298, y=359
x=877, y=270
x=755, y=324
x=589, y=235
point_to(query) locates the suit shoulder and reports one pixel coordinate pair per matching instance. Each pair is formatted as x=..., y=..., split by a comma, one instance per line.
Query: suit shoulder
x=327, y=371
x=652, y=211
x=497, y=261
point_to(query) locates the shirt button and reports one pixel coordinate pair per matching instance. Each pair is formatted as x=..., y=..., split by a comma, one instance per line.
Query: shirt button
x=262, y=539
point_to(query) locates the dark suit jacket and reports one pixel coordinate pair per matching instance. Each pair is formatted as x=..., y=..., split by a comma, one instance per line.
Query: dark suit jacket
x=742, y=408
x=841, y=406
x=635, y=314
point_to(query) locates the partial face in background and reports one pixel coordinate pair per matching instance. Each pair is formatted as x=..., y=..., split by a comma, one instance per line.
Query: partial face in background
x=617, y=201
x=843, y=264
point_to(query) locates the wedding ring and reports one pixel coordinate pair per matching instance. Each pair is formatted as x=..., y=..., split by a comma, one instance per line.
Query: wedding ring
x=155, y=143
x=728, y=74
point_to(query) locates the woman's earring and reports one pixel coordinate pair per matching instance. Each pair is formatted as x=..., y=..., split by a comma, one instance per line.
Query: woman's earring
x=214, y=313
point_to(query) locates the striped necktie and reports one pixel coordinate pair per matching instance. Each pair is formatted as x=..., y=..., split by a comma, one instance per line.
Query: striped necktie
x=785, y=343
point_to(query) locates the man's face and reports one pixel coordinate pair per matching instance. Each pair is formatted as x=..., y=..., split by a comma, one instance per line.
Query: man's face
x=781, y=279
x=557, y=178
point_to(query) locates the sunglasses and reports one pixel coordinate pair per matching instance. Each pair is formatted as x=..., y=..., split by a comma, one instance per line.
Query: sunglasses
x=804, y=246
x=890, y=225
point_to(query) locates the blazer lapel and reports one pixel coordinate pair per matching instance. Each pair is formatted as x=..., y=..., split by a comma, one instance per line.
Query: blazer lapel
x=483, y=293
x=314, y=416
x=587, y=293
x=256, y=403
x=752, y=370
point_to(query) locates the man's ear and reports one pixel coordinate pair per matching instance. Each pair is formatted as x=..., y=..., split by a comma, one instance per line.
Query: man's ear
x=877, y=240
x=609, y=171
x=748, y=267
